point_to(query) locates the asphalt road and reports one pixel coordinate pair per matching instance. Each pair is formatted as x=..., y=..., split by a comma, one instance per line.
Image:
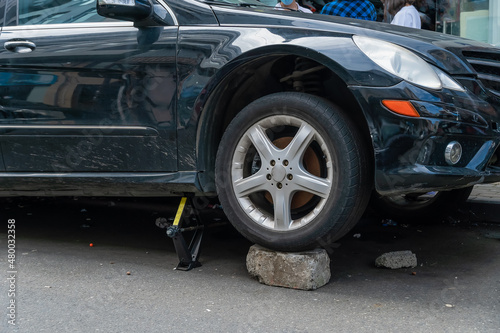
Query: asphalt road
x=64, y=285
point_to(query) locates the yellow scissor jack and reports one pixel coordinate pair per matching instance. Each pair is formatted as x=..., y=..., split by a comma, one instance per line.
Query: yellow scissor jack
x=188, y=255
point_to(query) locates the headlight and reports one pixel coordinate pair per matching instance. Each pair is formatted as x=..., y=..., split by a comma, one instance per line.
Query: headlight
x=447, y=81
x=405, y=64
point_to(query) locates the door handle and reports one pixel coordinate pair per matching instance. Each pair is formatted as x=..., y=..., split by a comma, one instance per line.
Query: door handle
x=19, y=46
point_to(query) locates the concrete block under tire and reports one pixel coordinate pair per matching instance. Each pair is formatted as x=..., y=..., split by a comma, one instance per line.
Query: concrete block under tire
x=397, y=259
x=307, y=270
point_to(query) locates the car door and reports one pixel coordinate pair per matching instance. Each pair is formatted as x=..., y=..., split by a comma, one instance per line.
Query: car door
x=80, y=92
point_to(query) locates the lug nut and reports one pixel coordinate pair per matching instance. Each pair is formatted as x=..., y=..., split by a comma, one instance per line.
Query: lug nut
x=289, y=176
x=280, y=185
x=273, y=163
x=285, y=162
x=268, y=177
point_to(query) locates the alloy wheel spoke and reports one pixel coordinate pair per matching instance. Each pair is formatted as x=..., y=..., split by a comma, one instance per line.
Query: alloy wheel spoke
x=307, y=182
x=262, y=144
x=282, y=210
x=246, y=186
x=300, y=142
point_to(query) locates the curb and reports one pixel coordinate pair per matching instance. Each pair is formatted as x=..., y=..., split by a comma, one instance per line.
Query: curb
x=484, y=203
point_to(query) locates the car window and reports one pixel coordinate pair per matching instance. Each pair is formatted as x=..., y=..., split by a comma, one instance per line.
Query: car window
x=58, y=11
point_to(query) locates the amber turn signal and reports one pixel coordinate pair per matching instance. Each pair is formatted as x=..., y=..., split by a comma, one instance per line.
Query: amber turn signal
x=404, y=108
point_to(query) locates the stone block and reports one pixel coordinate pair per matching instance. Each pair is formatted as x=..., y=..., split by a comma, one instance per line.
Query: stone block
x=397, y=259
x=306, y=270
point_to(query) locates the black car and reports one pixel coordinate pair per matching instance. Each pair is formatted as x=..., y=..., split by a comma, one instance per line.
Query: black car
x=294, y=120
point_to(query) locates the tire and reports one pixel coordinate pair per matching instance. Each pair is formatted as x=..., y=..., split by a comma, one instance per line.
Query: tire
x=419, y=207
x=301, y=152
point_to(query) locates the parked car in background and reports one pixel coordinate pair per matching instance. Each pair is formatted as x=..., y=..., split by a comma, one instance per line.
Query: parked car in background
x=292, y=119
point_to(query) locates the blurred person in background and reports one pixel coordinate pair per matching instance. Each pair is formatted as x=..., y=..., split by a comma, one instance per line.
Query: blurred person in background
x=292, y=5
x=358, y=9
x=427, y=11
x=405, y=14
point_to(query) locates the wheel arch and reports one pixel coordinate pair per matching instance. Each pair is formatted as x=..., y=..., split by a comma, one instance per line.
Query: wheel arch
x=257, y=74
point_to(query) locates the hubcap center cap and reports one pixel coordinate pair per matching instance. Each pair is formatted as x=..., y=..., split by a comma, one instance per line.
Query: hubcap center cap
x=278, y=173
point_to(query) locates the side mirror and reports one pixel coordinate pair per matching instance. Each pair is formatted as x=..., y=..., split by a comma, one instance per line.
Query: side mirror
x=128, y=10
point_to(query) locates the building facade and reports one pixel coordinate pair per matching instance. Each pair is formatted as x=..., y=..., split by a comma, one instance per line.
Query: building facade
x=473, y=19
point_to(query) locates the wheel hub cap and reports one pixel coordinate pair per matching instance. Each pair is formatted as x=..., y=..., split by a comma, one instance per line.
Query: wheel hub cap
x=278, y=173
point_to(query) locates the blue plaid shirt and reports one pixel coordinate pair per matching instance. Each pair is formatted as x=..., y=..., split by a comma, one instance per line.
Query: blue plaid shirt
x=359, y=9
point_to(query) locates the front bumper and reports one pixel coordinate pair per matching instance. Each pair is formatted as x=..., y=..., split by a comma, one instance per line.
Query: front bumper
x=409, y=151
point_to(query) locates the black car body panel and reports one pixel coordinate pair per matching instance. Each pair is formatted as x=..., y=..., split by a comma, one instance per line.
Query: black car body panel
x=113, y=103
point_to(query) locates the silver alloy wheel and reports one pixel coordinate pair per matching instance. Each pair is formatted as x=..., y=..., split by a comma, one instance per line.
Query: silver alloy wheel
x=282, y=173
x=292, y=172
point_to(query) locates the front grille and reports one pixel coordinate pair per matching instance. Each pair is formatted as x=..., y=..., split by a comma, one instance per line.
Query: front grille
x=487, y=66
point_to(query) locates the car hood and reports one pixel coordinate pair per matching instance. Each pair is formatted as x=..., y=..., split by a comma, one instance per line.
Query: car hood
x=444, y=51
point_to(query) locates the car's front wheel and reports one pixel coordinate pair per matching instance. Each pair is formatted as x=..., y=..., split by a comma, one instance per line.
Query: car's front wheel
x=291, y=172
